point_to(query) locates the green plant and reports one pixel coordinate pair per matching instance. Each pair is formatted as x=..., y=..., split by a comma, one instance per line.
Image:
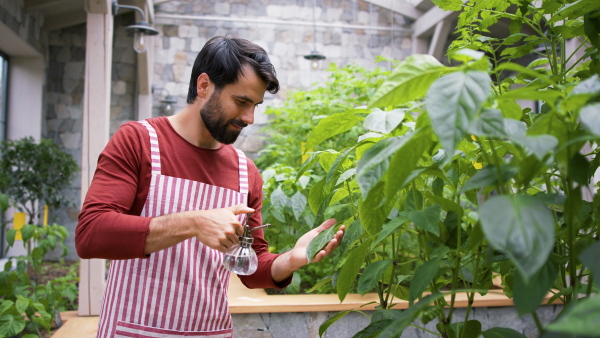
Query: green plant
x=33, y=174
x=286, y=191
x=461, y=184
x=28, y=306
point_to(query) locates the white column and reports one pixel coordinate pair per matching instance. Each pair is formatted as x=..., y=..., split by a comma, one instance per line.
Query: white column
x=96, y=118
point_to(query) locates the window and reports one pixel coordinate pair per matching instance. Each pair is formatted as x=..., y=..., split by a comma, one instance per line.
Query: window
x=3, y=94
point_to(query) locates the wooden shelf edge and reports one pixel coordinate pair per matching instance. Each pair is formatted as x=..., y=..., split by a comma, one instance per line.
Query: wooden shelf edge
x=242, y=300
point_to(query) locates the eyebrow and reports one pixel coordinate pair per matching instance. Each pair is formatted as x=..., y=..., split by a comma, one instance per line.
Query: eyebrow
x=245, y=98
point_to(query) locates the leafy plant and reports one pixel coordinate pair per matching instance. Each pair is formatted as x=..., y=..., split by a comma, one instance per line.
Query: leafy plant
x=28, y=306
x=286, y=185
x=33, y=174
x=453, y=183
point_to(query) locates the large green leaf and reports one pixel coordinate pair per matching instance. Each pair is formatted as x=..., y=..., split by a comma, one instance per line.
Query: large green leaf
x=395, y=327
x=573, y=10
x=583, y=318
x=490, y=123
x=502, y=332
x=319, y=242
x=424, y=275
x=581, y=94
x=470, y=328
x=332, y=125
x=11, y=325
x=590, y=118
x=528, y=295
x=540, y=145
x=488, y=176
x=409, y=81
x=453, y=101
x=384, y=121
x=589, y=257
x=520, y=226
x=299, y=203
x=317, y=195
x=427, y=219
x=374, y=163
x=374, y=210
x=390, y=227
x=371, y=275
x=350, y=269
x=326, y=324
x=405, y=160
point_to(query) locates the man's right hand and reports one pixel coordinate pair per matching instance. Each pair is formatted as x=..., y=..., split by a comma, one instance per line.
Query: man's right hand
x=219, y=228
x=216, y=228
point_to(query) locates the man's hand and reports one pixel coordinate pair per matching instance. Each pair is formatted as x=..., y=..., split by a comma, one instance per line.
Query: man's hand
x=219, y=228
x=287, y=263
x=216, y=228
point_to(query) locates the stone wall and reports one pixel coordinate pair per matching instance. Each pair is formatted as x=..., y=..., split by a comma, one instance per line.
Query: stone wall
x=27, y=25
x=306, y=324
x=286, y=30
x=64, y=101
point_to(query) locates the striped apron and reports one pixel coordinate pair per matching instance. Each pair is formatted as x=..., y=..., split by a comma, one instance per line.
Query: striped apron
x=181, y=290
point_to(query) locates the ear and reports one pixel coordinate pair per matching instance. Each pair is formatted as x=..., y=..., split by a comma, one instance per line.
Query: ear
x=203, y=84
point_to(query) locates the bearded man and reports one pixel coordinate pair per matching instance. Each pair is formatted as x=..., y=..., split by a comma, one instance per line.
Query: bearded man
x=169, y=197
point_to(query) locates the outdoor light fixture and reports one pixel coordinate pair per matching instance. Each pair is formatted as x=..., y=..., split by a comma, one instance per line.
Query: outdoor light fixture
x=314, y=57
x=167, y=102
x=140, y=29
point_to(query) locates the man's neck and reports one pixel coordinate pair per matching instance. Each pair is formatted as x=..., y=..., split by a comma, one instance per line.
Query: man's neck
x=188, y=124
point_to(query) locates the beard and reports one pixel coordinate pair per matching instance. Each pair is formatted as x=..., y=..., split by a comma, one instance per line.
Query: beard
x=213, y=117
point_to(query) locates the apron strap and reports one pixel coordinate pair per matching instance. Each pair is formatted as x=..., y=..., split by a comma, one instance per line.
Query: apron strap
x=154, y=150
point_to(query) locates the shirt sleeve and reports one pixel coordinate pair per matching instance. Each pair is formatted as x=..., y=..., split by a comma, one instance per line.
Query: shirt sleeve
x=108, y=224
x=262, y=277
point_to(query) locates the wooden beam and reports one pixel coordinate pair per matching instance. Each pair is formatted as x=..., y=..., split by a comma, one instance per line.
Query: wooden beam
x=98, y=6
x=96, y=118
x=402, y=8
x=67, y=19
x=439, y=38
x=35, y=5
x=425, y=25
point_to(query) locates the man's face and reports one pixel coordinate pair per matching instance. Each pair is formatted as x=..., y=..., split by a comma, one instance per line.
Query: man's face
x=231, y=108
x=216, y=122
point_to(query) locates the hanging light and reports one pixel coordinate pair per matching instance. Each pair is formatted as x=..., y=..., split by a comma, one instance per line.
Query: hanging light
x=167, y=102
x=140, y=30
x=315, y=57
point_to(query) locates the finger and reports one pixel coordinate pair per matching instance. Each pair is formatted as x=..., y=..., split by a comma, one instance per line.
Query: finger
x=326, y=225
x=241, y=209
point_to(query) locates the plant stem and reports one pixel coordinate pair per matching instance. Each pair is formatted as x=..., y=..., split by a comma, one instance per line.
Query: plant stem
x=497, y=165
x=538, y=323
x=424, y=329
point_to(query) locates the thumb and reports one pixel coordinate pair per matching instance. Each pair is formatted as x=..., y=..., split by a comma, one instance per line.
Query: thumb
x=241, y=209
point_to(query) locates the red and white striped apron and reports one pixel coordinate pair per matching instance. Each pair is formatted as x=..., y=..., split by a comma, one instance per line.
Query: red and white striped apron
x=181, y=290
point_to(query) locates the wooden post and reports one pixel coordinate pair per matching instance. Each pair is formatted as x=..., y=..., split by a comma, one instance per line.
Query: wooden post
x=96, y=117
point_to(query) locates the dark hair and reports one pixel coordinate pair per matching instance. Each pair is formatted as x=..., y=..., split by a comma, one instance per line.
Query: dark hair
x=222, y=58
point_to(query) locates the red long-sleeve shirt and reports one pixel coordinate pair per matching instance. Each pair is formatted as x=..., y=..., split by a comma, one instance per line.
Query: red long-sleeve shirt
x=109, y=223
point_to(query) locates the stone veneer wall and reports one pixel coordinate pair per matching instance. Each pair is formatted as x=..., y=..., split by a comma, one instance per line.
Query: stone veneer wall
x=27, y=25
x=286, y=42
x=306, y=324
x=64, y=101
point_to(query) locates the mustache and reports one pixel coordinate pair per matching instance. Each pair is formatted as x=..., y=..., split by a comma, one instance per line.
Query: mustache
x=239, y=123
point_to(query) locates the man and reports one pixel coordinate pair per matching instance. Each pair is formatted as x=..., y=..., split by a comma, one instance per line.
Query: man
x=170, y=196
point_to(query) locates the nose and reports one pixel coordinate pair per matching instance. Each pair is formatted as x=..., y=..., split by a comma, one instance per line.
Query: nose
x=248, y=115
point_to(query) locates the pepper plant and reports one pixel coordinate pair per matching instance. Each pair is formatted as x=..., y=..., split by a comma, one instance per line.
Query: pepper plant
x=454, y=183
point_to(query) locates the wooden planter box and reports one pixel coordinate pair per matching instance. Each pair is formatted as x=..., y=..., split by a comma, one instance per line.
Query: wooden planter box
x=257, y=315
